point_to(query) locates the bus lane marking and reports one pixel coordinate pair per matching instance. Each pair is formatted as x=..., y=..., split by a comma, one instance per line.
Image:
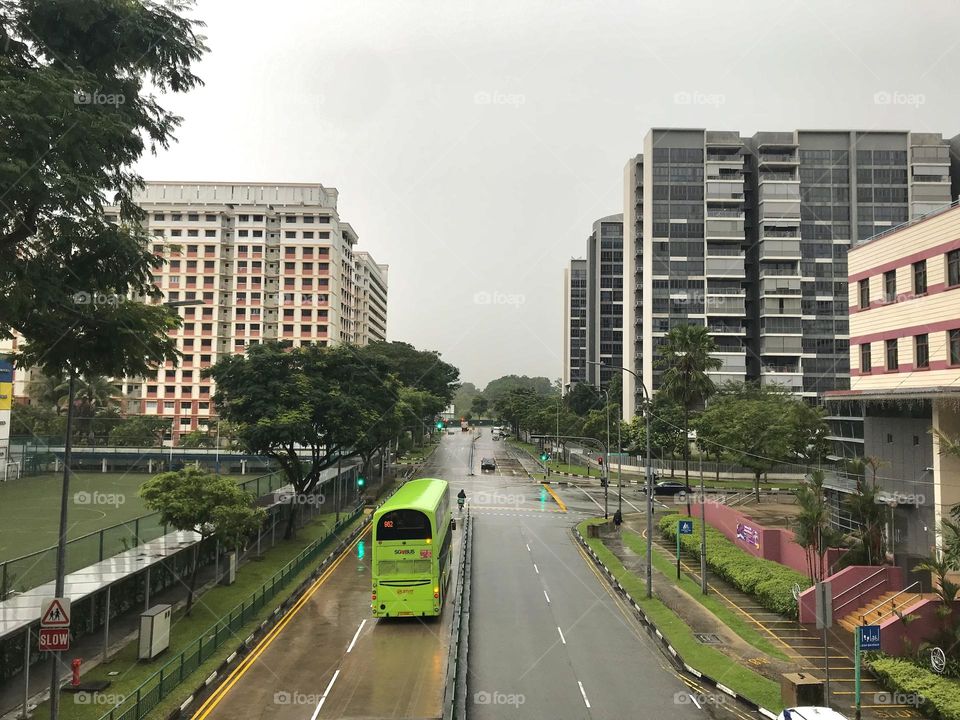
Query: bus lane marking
x=323, y=697
x=356, y=635
x=582, y=692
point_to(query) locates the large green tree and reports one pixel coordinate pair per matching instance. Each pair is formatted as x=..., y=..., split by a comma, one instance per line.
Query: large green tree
x=210, y=505
x=499, y=388
x=139, y=431
x=685, y=359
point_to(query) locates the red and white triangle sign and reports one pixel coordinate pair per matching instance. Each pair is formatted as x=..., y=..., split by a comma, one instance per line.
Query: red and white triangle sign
x=56, y=613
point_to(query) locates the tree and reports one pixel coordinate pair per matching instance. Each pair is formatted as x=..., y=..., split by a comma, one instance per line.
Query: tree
x=210, y=505
x=463, y=398
x=583, y=398
x=502, y=386
x=479, y=406
x=38, y=421
x=139, y=431
x=666, y=428
x=514, y=405
x=685, y=359
x=198, y=439
x=420, y=369
x=949, y=445
x=306, y=408
x=812, y=528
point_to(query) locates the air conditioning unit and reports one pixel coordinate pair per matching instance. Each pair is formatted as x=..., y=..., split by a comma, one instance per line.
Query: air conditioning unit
x=154, y=631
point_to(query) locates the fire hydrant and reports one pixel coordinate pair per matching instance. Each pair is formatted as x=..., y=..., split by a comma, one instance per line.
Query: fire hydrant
x=75, y=665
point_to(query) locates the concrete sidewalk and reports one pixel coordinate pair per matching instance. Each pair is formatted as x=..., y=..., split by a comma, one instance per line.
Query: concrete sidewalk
x=802, y=644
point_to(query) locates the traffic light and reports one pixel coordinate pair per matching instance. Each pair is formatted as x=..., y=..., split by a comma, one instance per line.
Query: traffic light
x=600, y=460
x=361, y=482
x=439, y=424
x=544, y=456
x=360, y=550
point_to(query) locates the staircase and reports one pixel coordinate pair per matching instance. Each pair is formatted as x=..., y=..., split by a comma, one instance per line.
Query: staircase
x=883, y=607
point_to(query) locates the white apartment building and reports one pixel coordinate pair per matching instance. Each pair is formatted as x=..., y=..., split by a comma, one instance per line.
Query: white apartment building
x=263, y=262
x=370, y=315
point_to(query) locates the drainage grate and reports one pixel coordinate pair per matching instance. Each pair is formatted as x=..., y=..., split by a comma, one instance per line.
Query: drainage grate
x=708, y=638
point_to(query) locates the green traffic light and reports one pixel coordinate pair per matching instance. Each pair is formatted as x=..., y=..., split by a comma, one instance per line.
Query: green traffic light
x=361, y=482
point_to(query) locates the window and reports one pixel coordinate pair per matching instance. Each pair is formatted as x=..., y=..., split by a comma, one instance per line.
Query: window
x=290, y=234
x=193, y=217
x=890, y=286
x=893, y=362
x=159, y=216
x=920, y=278
x=244, y=218
x=953, y=268
x=209, y=233
x=864, y=294
x=922, y=351
x=291, y=218
x=177, y=217
x=308, y=218
x=865, y=364
x=210, y=218
x=258, y=218
x=954, y=347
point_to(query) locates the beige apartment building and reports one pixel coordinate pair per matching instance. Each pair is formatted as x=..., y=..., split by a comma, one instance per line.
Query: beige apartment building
x=904, y=299
x=262, y=262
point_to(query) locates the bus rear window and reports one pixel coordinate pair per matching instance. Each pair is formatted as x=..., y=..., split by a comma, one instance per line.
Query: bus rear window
x=404, y=525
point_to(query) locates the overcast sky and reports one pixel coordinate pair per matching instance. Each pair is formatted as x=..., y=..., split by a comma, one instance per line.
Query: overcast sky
x=474, y=143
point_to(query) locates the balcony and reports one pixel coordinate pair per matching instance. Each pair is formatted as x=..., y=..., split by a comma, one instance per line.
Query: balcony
x=719, y=228
x=771, y=158
x=781, y=345
x=790, y=381
x=716, y=305
x=724, y=266
x=780, y=249
x=779, y=272
x=778, y=177
x=725, y=157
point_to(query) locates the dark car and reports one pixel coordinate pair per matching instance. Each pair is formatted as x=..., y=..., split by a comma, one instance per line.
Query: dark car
x=668, y=487
x=488, y=464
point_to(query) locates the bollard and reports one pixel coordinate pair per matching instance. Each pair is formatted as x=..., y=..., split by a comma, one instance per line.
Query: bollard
x=75, y=666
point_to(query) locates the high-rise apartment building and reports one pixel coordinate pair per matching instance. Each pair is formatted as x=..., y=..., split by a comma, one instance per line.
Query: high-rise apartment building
x=605, y=300
x=749, y=236
x=575, y=322
x=370, y=317
x=262, y=262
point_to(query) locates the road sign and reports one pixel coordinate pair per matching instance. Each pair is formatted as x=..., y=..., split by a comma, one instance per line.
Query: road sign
x=54, y=639
x=685, y=527
x=824, y=605
x=869, y=637
x=56, y=613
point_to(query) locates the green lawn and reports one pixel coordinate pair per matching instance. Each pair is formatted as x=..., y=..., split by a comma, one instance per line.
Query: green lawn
x=734, y=621
x=216, y=603
x=707, y=660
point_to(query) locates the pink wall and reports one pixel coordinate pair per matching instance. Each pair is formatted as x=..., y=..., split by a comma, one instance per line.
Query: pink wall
x=852, y=588
x=775, y=544
x=893, y=632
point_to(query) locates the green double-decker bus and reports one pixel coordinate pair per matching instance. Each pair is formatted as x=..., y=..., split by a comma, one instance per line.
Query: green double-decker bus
x=411, y=550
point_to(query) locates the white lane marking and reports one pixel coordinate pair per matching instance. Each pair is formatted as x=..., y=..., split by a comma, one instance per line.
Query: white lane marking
x=546, y=596
x=528, y=548
x=355, y=636
x=694, y=701
x=632, y=505
x=536, y=569
x=591, y=498
x=562, y=638
x=324, y=696
x=582, y=692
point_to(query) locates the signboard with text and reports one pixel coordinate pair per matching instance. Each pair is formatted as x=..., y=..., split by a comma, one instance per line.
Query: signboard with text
x=869, y=637
x=54, y=639
x=748, y=534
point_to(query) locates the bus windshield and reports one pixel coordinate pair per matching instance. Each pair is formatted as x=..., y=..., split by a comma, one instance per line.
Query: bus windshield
x=404, y=525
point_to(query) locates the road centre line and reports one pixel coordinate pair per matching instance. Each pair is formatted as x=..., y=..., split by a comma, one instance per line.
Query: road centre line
x=546, y=596
x=323, y=698
x=591, y=498
x=562, y=638
x=584, y=693
x=356, y=635
x=536, y=569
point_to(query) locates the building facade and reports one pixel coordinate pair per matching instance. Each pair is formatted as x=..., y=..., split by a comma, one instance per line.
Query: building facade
x=605, y=300
x=904, y=299
x=749, y=236
x=251, y=263
x=575, y=322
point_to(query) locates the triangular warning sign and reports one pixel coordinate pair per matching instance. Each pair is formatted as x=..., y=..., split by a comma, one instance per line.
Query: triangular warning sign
x=55, y=615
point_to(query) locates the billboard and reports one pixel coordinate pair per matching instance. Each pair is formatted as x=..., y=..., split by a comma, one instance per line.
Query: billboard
x=748, y=534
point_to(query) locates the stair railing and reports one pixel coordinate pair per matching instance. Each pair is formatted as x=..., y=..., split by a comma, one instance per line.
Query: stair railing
x=881, y=571
x=890, y=601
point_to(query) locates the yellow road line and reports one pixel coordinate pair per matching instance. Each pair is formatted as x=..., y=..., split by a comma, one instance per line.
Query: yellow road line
x=221, y=692
x=556, y=497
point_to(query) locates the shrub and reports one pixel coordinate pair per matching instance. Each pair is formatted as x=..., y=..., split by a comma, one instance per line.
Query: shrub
x=770, y=583
x=938, y=697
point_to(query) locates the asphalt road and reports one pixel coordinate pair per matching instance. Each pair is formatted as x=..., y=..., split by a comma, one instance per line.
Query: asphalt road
x=548, y=637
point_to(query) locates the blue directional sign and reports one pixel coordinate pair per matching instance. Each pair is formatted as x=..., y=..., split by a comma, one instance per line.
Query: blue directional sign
x=685, y=527
x=869, y=637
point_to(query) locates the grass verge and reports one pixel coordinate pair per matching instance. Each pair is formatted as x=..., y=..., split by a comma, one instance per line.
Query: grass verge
x=718, y=608
x=212, y=605
x=718, y=666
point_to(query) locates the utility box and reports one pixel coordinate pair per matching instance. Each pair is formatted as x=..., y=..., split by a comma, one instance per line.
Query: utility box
x=154, y=632
x=801, y=690
x=230, y=574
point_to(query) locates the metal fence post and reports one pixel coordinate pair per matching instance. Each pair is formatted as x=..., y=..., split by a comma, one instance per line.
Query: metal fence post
x=101, y=546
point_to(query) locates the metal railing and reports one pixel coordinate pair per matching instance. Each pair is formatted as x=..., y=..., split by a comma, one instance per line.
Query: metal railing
x=34, y=569
x=159, y=685
x=836, y=608
x=890, y=601
x=908, y=223
x=454, y=695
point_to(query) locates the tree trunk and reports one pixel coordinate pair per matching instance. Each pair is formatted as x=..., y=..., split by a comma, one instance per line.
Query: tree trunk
x=686, y=456
x=291, y=530
x=193, y=577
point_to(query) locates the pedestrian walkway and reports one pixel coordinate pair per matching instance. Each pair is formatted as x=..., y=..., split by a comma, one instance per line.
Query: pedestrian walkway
x=802, y=644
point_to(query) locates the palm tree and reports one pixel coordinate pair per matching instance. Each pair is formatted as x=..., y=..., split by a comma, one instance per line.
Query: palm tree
x=948, y=445
x=44, y=391
x=686, y=358
x=92, y=393
x=812, y=525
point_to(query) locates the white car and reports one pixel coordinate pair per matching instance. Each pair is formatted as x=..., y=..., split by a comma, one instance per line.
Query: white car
x=810, y=713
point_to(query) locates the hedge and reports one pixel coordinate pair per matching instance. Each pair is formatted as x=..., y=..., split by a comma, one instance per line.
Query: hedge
x=938, y=697
x=770, y=583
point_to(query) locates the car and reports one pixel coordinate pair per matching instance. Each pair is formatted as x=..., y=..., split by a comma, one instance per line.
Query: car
x=488, y=464
x=669, y=487
x=810, y=713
